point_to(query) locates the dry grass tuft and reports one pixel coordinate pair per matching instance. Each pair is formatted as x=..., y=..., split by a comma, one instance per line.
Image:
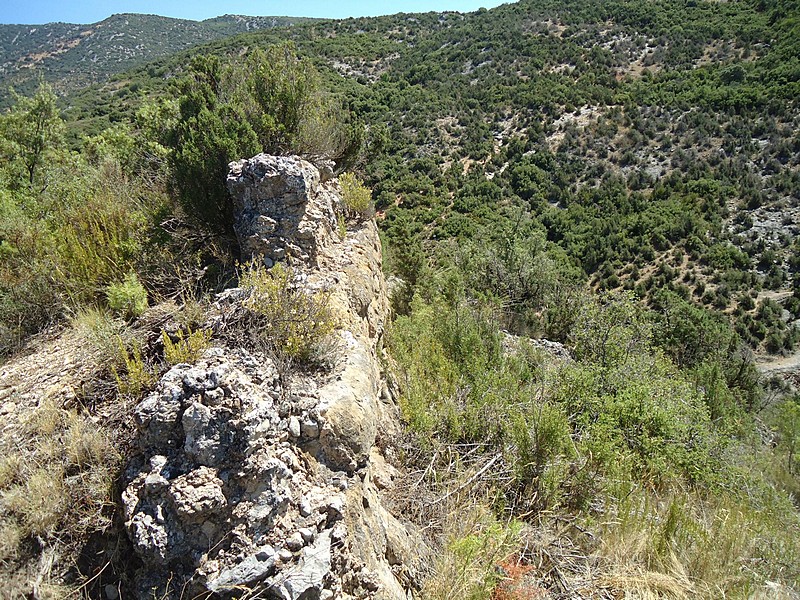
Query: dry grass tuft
x=10, y=539
x=449, y=498
x=684, y=546
x=55, y=479
x=45, y=421
x=100, y=333
x=10, y=468
x=649, y=585
x=86, y=445
x=40, y=503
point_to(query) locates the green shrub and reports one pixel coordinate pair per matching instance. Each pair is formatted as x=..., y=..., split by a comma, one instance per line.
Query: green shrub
x=32, y=130
x=610, y=331
x=463, y=385
x=99, y=230
x=187, y=349
x=138, y=377
x=357, y=197
x=267, y=101
x=92, y=236
x=127, y=298
x=291, y=322
x=540, y=436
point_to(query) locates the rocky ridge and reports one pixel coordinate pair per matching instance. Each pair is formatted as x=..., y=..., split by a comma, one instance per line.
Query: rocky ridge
x=250, y=483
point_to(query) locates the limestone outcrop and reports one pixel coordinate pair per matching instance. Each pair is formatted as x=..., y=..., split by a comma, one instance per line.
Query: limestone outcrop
x=283, y=208
x=252, y=484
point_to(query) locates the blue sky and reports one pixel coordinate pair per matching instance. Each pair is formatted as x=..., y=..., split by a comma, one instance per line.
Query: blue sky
x=91, y=11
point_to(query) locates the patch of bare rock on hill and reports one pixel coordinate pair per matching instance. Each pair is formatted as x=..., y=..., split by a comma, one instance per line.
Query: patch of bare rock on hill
x=249, y=484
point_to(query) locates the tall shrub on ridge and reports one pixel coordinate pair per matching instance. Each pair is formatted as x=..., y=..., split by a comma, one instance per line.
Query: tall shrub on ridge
x=271, y=101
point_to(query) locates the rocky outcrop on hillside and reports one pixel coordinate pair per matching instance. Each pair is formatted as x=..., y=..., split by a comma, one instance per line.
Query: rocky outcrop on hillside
x=283, y=208
x=252, y=484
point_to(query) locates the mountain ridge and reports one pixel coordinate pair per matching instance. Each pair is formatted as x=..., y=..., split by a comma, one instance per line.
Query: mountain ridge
x=71, y=56
x=591, y=218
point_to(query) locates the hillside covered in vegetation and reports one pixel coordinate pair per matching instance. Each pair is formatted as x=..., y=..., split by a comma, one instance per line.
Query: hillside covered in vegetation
x=72, y=56
x=590, y=217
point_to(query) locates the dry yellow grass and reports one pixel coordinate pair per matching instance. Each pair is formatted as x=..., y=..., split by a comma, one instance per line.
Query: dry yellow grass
x=10, y=466
x=86, y=445
x=684, y=546
x=40, y=503
x=55, y=478
x=10, y=539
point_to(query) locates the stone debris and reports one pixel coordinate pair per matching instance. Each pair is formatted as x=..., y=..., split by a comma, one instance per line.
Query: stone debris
x=555, y=350
x=247, y=481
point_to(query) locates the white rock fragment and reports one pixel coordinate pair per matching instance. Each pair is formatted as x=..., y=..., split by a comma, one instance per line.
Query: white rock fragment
x=307, y=534
x=294, y=427
x=305, y=507
x=285, y=555
x=295, y=541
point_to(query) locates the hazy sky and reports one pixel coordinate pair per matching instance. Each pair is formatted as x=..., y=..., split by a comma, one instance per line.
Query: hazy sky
x=91, y=11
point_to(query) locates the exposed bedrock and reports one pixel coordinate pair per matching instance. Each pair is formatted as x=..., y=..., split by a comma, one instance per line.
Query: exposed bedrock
x=249, y=484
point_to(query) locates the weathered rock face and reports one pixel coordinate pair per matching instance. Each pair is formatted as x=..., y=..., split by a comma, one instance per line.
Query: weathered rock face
x=245, y=484
x=282, y=208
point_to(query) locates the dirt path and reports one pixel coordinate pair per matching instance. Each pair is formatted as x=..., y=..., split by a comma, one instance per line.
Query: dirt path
x=778, y=364
x=773, y=295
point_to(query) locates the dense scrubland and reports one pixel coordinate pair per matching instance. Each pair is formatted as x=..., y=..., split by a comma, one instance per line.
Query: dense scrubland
x=620, y=178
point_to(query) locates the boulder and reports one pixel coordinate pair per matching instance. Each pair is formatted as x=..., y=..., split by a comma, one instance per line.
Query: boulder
x=282, y=209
